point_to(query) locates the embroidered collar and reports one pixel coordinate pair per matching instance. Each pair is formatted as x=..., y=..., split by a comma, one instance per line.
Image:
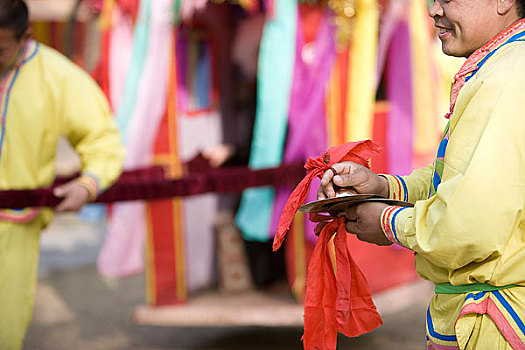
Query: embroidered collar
x=26, y=53
x=7, y=82
x=480, y=56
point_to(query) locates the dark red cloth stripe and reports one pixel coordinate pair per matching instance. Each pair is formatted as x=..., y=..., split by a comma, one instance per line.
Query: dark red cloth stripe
x=150, y=184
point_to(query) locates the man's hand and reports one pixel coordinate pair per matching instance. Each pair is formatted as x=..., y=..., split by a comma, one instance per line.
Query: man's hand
x=218, y=155
x=354, y=176
x=74, y=196
x=364, y=221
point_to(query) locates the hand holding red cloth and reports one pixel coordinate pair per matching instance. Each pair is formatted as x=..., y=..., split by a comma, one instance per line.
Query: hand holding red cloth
x=339, y=302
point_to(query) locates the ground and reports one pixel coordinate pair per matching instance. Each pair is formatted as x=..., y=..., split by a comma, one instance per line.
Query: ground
x=77, y=309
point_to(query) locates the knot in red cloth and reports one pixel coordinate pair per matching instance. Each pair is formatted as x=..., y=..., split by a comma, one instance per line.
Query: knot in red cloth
x=358, y=152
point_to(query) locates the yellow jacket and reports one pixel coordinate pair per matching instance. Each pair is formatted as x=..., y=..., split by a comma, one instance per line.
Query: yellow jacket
x=469, y=234
x=473, y=229
x=45, y=96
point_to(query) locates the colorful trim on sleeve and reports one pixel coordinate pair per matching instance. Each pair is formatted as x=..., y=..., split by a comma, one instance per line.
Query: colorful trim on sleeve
x=397, y=187
x=403, y=189
x=388, y=223
x=91, y=184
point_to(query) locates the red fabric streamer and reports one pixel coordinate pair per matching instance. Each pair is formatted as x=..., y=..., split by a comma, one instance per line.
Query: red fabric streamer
x=101, y=71
x=249, y=5
x=338, y=302
x=94, y=5
x=129, y=7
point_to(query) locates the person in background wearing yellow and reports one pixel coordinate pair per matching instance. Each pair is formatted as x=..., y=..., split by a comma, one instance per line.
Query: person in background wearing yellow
x=42, y=96
x=467, y=226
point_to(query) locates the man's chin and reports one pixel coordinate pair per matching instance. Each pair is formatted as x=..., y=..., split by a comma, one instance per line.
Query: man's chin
x=452, y=52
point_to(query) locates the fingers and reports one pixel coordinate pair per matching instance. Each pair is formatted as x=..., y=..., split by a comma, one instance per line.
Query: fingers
x=353, y=178
x=327, y=189
x=351, y=214
x=318, y=217
x=67, y=204
x=364, y=221
x=74, y=194
x=339, y=168
x=62, y=190
x=218, y=155
x=348, y=174
x=320, y=193
x=352, y=227
x=319, y=227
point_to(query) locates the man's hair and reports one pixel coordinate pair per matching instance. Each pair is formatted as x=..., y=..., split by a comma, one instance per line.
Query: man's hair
x=521, y=8
x=14, y=15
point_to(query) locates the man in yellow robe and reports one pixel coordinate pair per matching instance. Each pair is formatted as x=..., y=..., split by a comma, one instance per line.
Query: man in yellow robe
x=42, y=95
x=467, y=226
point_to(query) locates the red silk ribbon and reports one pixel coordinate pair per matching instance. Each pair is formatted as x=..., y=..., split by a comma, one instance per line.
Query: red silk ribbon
x=340, y=301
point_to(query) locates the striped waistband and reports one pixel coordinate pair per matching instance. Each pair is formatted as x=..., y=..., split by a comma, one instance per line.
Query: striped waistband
x=447, y=288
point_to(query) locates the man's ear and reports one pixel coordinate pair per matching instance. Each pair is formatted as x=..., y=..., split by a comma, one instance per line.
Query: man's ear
x=27, y=34
x=504, y=6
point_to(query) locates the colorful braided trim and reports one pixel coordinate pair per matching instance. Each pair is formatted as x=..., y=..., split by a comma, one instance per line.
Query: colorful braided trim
x=90, y=184
x=388, y=217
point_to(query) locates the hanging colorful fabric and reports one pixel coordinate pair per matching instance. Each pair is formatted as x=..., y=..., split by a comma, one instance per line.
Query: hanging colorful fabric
x=127, y=223
x=336, y=98
x=307, y=120
x=315, y=51
x=195, y=85
x=166, y=254
x=101, y=71
x=138, y=57
x=405, y=48
x=361, y=69
x=399, y=95
x=424, y=109
x=276, y=61
x=120, y=56
x=189, y=7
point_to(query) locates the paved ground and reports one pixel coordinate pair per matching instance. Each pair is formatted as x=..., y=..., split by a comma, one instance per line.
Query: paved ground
x=76, y=309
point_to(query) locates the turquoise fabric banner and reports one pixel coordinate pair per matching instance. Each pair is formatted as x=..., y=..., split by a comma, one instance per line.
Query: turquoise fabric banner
x=138, y=56
x=275, y=74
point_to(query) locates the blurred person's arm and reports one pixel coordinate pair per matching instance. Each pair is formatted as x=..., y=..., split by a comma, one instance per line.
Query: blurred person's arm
x=87, y=122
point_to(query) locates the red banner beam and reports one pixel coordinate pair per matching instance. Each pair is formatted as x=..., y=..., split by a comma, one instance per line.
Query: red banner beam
x=150, y=184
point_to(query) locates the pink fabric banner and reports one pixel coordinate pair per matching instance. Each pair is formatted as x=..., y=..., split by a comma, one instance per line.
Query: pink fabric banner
x=122, y=253
x=121, y=46
x=396, y=12
x=399, y=138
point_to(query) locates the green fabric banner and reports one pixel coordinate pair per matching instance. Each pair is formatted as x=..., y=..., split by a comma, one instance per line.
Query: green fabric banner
x=276, y=64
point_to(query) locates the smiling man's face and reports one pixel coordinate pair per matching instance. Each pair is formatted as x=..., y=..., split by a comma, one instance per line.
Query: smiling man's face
x=466, y=25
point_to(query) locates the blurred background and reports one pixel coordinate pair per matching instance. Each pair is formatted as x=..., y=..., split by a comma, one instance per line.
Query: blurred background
x=200, y=87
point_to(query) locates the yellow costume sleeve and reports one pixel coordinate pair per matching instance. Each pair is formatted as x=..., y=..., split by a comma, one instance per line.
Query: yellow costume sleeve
x=89, y=126
x=411, y=188
x=478, y=207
